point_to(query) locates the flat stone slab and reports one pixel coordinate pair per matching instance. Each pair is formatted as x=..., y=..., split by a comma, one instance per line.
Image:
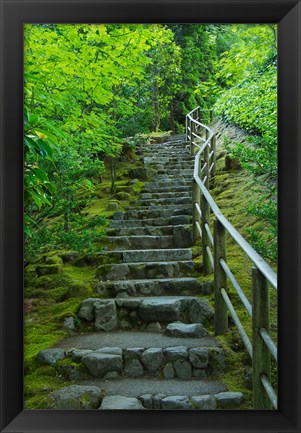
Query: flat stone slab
x=146, y=269
x=157, y=255
x=155, y=287
x=176, y=402
x=179, y=329
x=99, y=363
x=121, y=402
x=50, y=356
x=227, y=400
x=158, y=221
x=160, y=309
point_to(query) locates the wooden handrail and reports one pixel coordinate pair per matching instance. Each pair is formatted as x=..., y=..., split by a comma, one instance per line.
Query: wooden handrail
x=262, y=346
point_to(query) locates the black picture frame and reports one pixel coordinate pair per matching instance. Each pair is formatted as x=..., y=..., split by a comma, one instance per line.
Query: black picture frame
x=14, y=13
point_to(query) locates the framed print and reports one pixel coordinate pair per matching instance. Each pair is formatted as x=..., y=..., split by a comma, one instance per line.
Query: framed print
x=150, y=196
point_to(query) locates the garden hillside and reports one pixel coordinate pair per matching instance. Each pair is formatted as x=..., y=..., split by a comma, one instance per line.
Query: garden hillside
x=107, y=189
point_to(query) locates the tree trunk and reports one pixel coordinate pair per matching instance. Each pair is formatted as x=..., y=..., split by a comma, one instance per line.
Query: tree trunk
x=113, y=174
x=172, y=118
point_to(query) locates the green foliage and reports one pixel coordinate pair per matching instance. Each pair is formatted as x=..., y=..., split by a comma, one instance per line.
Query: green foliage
x=246, y=88
x=37, y=187
x=197, y=67
x=81, y=236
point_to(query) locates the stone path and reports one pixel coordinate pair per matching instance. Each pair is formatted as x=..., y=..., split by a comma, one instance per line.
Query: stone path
x=152, y=349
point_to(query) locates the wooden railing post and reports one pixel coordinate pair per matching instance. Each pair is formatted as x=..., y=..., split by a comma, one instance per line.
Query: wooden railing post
x=261, y=354
x=192, y=130
x=220, y=279
x=213, y=148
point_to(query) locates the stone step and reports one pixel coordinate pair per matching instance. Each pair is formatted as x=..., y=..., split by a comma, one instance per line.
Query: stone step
x=167, y=145
x=166, y=150
x=166, y=160
x=155, y=222
x=132, y=339
x=156, y=211
x=169, y=184
x=146, y=255
x=139, y=242
x=142, y=213
x=174, y=177
x=164, y=194
x=141, y=270
x=169, y=394
x=180, y=164
x=164, y=201
x=167, y=189
x=171, y=230
x=154, y=287
x=176, y=316
x=169, y=362
x=172, y=172
x=179, y=240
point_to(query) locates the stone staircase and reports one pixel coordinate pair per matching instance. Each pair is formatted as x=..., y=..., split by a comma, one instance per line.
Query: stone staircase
x=151, y=348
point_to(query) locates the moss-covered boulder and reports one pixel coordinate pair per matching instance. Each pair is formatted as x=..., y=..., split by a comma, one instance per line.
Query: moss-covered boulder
x=54, y=260
x=42, y=270
x=76, y=397
x=78, y=290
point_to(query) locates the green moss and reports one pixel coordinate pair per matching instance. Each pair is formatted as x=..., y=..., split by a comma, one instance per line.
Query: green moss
x=48, y=269
x=234, y=376
x=38, y=384
x=79, y=291
x=53, y=260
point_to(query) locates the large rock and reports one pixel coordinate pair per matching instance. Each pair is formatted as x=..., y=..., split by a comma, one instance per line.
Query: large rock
x=50, y=356
x=105, y=315
x=175, y=353
x=147, y=400
x=161, y=310
x=152, y=359
x=183, y=369
x=48, y=270
x=182, y=236
x=176, y=402
x=179, y=329
x=199, y=357
x=69, y=324
x=86, y=309
x=199, y=310
x=206, y=402
x=110, y=350
x=99, y=364
x=168, y=371
x=78, y=354
x=76, y=397
x=121, y=402
x=133, y=368
x=228, y=400
x=133, y=353
x=113, y=272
